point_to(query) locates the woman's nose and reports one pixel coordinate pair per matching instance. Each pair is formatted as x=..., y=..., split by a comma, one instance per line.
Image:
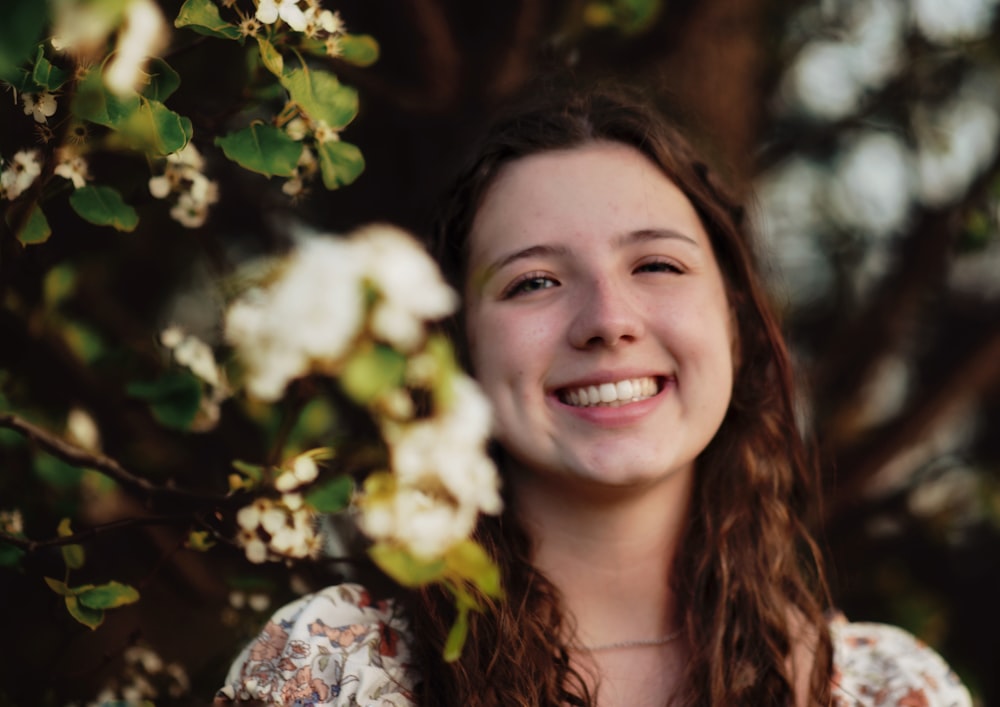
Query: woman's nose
x=605, y=315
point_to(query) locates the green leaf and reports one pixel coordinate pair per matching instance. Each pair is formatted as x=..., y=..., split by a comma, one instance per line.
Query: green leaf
x=157, y=127
x=359, y=49
x=470, y=561
x=104, y=206
x=46, y=75
x=95, y=103
x=23, y=21
x=372, y=371
x=404, y=568
x=332, y=496
x=271, y=57
x=73, y=555
x=91, y=618
x=262, y=148
x=63, y=590
x=202, y=16
x=83, y=341
x=321, y=96
x=173, y=399
x=59, y=283
x=340, y=163
x=56, y=472
x=627, y=16
x=109, y=596
x=252, y=471
x=457, y=635
x=199, y=541
x=10, y=555
x=163, y=80
x=21, y=81
x=36, y=229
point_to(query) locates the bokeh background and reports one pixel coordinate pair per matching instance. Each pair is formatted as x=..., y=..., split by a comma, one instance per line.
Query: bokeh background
x=865, y=134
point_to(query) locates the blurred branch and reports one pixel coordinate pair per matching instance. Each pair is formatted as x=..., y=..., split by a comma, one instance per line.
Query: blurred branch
x=82, y=458
x=976, y=372
x=924, y=258
x=82, y=535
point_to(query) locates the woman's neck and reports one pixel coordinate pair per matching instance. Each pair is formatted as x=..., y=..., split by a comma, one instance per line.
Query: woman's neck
x=608, y=551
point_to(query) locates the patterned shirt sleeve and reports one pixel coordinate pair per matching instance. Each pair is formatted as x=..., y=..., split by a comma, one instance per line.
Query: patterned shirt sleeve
x=335, y=647
x=876, y=665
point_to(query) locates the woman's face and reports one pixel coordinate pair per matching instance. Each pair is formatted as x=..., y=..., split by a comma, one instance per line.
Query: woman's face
x=597, y=317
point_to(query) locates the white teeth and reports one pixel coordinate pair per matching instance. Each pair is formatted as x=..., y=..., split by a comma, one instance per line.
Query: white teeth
x=623, y=389
x=611, y=394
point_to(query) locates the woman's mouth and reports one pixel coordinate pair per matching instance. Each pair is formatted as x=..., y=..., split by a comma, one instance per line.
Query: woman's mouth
x=614, y=394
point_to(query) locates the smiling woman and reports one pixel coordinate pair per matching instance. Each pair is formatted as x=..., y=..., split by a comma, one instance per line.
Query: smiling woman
x=653, y=548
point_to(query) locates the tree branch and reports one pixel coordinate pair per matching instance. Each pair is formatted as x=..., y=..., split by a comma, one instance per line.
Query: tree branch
x=82, y=458
x=29, y=545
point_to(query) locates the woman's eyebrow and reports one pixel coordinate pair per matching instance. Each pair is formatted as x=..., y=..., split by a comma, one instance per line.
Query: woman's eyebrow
x=522, y=254
x=638, y=236
x=653, y=234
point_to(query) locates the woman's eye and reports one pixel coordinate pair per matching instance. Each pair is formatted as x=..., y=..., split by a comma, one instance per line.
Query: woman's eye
x=660, y=266
x=530, y=283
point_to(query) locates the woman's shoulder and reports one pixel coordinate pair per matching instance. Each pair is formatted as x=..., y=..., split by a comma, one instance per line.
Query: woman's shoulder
x=878, y=664
x=335, y=647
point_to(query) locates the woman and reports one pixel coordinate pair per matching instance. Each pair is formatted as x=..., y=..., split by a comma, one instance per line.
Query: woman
x=653, y=549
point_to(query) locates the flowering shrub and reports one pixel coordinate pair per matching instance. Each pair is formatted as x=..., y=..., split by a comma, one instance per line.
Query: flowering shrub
x=344, y=325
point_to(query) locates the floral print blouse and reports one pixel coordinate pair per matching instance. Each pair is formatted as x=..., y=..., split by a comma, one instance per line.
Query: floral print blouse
x=340, y=648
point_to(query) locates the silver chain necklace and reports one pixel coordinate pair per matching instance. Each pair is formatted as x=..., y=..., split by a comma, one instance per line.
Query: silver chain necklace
x=637, y=643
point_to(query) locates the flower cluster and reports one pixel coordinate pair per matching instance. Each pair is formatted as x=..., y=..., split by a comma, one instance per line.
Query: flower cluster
x=309, y=318
x=332, y=299
x=184, y=176
x=278, y=529
x=20, y=174
x=441, y=477
x=312, y=20
x=145, y=677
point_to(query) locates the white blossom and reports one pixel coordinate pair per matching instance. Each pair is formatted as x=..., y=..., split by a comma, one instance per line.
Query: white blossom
x=144, y=34
x=409, y=282
x=259, y=601
x=183, y=175
x=41, y=106
x=307, y=319
x=80, y=27
x=82, y=430
x=442, y=478
x=288, y=533
x=72, y=166
x=193, y=353
x=305, y=469
x=324, y=133
x=269, y=11
x=20, y=174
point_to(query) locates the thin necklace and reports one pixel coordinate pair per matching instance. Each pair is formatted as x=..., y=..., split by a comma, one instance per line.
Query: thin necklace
x=637, y=643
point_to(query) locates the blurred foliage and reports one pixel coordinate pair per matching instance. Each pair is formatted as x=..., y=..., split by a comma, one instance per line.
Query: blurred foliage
x=864, y=127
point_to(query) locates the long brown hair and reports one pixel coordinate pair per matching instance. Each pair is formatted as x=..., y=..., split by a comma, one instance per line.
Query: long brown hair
x=749, y=576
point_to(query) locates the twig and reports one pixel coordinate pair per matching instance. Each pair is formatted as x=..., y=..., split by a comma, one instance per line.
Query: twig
x=34, y=545
x=82, y=458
